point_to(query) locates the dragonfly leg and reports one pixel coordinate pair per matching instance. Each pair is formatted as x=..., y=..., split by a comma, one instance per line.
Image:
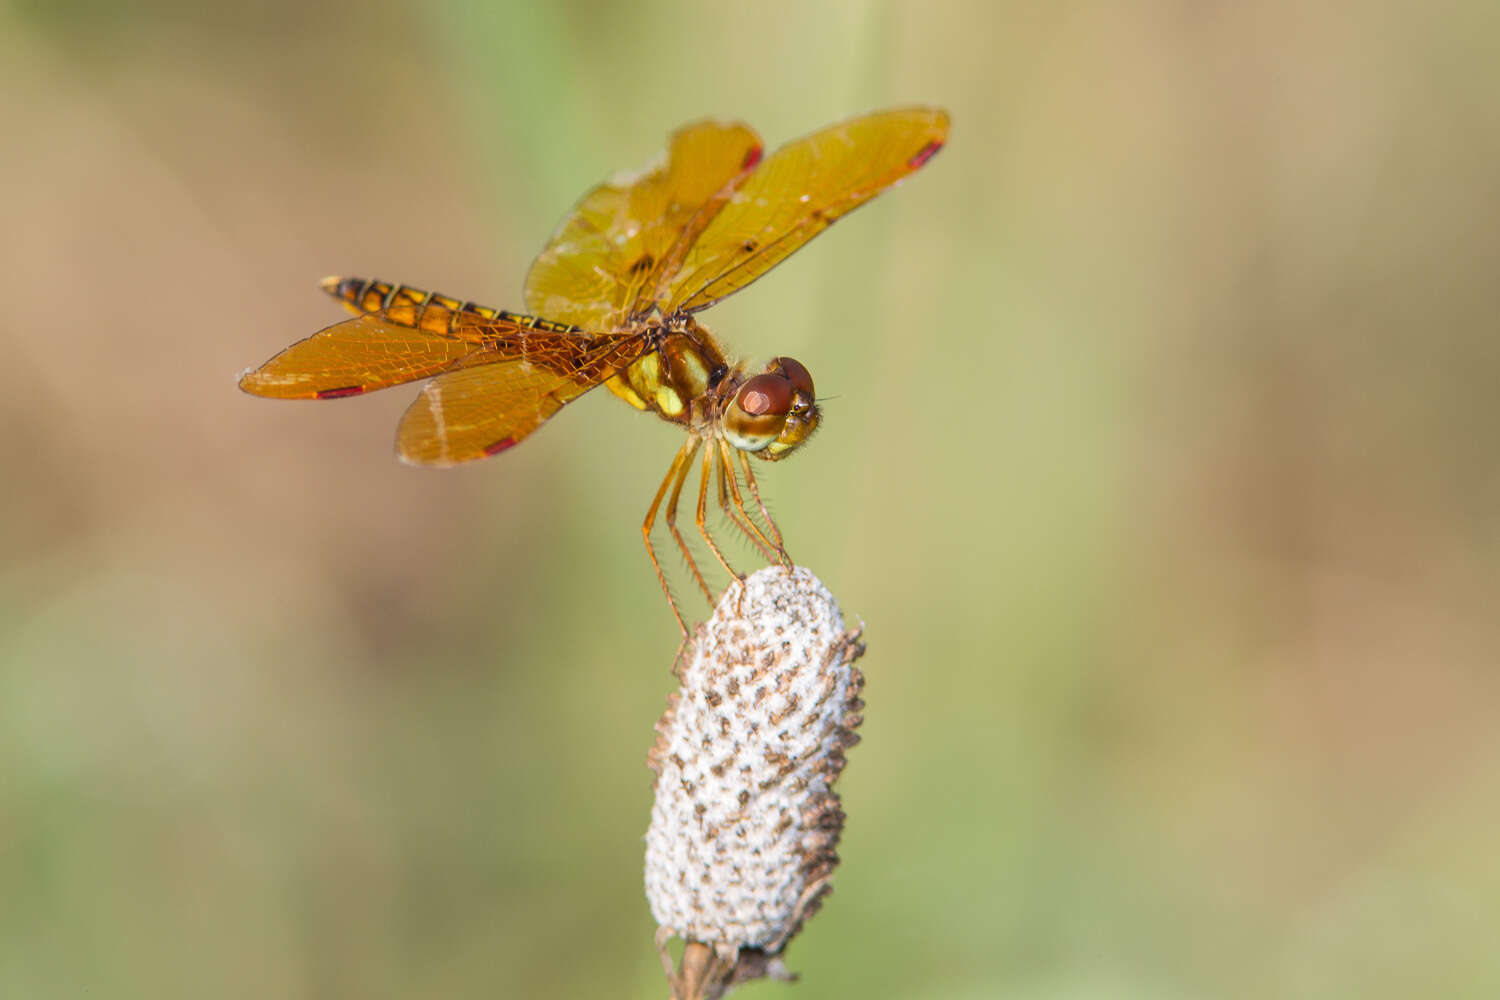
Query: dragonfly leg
x=708, y=461
x=674, y=472
x=735, y=512
x=671, y=518
x=750, y=484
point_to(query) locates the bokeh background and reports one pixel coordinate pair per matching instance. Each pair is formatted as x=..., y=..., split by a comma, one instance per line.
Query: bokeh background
x=1163, y=470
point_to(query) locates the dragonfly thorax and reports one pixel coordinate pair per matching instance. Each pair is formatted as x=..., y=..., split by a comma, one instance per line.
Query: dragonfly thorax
x=685, y=380
x=674, y=377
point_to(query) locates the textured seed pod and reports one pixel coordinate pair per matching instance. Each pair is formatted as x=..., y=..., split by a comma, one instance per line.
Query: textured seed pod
x=742, y=837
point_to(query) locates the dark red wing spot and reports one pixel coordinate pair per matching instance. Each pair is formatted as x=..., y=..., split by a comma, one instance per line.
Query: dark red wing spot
x=751, y=158
x=501, y=445
x=348, y=390
x=924, y=154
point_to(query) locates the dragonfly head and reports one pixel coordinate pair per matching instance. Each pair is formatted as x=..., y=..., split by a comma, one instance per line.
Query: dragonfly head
x=773, y=412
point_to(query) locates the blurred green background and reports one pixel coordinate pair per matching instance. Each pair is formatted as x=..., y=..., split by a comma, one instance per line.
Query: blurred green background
x=1163, y=471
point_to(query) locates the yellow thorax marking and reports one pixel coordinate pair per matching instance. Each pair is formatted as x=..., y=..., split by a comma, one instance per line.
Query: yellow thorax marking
x=668, y=401
x=621, y=387
x=697, y=375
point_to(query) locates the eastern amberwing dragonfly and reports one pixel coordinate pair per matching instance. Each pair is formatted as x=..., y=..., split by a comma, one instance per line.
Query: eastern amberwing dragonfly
x=612, y=301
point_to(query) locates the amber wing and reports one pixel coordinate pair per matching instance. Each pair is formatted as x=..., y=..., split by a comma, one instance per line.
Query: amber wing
x=608, y=258
x=497, y=379
x=794, y=195
x=495, y=398
x=359, y=355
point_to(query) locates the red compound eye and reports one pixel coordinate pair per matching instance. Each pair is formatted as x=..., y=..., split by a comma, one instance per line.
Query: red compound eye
x=797, y=374
x=765, y=395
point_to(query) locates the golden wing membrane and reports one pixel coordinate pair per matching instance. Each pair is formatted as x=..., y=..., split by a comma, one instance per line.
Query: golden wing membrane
x=359, y=355
x=494, y=399
x=795, y=194
x=420, y=335
x=609, y=256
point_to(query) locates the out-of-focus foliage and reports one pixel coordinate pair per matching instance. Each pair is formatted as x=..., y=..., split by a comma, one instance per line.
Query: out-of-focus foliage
x=1163, y=468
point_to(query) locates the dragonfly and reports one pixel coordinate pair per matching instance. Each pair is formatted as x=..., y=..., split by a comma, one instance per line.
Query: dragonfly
x=613, y=300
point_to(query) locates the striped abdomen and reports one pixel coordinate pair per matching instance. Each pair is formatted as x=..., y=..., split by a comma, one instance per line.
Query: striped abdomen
x=427, y=311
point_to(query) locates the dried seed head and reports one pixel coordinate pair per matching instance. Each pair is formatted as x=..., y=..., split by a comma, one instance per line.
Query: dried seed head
x=742, y=837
